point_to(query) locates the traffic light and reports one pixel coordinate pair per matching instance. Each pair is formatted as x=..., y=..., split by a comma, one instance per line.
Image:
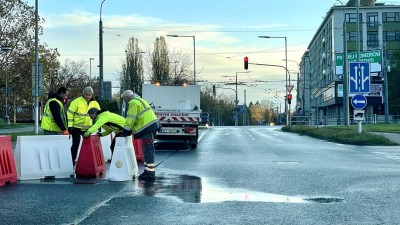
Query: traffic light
x=289, y=98
x=246, y=63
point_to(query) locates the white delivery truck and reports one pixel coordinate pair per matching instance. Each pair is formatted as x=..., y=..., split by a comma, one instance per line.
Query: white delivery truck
x=178, y=110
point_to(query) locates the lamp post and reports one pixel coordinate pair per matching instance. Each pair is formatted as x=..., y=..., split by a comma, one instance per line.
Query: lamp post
x=194, y=53
x=306, y=55
x=101, y=55
x=345, y=75
x=236, y=99
x=6, y=117
x=297, y=82
x=90, y=71
x=286, y=83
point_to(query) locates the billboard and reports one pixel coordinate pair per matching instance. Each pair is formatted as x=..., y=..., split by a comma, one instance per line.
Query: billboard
x=374, y=57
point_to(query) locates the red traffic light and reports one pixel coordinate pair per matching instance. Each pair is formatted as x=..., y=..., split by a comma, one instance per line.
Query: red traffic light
x=246, y=63
x=289, y=98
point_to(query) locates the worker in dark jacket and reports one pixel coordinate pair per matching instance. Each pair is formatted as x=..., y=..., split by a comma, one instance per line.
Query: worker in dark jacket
x=54, y=119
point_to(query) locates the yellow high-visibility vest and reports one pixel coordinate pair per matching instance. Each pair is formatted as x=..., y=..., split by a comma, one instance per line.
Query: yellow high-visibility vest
x=48, y=122
x=139, y=115
x=77, y=113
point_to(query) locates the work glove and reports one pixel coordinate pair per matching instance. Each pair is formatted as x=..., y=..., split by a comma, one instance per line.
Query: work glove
x=86, y=134
x=65, y=132
x=125, y=133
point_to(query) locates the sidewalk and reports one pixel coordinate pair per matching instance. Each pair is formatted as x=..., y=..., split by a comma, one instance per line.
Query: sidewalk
x=28, y=128
x=391, y=136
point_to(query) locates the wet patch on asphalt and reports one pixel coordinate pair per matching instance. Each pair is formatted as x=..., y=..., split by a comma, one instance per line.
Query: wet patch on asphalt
x=193, y=189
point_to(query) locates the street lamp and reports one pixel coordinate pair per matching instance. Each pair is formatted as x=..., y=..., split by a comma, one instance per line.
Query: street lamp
x=194, y=53
x=286, y=103
x=90, y=71
x=6, y=117
x=101, y=55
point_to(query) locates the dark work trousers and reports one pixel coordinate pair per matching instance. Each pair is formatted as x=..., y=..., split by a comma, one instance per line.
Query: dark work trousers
x=112, y=146
x=76, y=139
x=47, y=132
x=148, y=148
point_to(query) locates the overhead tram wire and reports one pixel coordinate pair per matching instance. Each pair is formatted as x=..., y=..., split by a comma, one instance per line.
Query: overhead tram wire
x=209, y=31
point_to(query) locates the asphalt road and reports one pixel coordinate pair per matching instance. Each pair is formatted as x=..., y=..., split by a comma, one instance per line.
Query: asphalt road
x=237, y=175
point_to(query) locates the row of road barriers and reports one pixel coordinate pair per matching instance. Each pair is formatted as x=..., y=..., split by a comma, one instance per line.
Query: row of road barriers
x=38, y=157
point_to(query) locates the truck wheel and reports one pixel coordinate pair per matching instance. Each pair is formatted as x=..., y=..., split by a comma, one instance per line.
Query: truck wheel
x=193, y=142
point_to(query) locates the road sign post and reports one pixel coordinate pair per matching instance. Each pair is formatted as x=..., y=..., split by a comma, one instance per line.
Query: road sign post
x=359, y=83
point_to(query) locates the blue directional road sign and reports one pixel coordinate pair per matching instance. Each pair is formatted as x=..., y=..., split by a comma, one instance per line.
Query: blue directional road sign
x=359, y=77
x=359, y=101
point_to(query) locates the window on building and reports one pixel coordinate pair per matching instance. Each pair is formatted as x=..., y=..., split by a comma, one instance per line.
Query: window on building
x=390, y=16
x=372, y=19
x=391, y=35
x=352, y=36
x=372, y=39
x=389, y=54
x=352, y=17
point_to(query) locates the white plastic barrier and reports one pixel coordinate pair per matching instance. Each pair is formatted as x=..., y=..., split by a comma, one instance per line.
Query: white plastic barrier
x=123, y=165
x=105, y=145
x=43, y=156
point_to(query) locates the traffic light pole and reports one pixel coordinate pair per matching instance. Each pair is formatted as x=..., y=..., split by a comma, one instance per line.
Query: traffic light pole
x=288, y=117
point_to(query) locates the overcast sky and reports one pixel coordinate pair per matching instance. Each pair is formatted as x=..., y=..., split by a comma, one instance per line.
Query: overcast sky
x=225, y=31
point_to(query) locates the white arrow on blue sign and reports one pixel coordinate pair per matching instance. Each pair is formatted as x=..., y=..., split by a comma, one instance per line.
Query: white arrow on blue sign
x=359, y=101
x=359, y=77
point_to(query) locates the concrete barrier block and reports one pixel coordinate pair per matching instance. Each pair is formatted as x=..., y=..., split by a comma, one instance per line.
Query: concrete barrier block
x=42, y=156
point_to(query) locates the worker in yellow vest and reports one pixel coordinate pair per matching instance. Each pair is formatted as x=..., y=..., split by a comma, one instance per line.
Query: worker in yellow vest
x=54, y=120
x=110, y=122
x=78, y=118
x=143, y=123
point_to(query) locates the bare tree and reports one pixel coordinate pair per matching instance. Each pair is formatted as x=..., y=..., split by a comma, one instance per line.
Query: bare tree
x=73, y=75
x=179, y=68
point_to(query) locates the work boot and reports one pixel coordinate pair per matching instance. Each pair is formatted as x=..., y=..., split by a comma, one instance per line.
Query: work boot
x=147, y=175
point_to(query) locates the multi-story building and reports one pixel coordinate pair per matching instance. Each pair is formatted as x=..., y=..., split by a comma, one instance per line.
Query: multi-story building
x=320, y=83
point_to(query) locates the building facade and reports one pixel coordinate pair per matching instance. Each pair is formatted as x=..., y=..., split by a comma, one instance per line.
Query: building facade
x=320, y=82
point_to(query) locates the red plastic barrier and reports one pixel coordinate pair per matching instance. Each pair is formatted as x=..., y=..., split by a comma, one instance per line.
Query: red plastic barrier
x=8, y=171
x=137, y=145
x=91, y=158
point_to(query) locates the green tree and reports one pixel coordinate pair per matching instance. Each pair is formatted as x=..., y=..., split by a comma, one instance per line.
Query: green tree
x=17, y=28
x=160, y=62
x=132, y=75
x=219, y=107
